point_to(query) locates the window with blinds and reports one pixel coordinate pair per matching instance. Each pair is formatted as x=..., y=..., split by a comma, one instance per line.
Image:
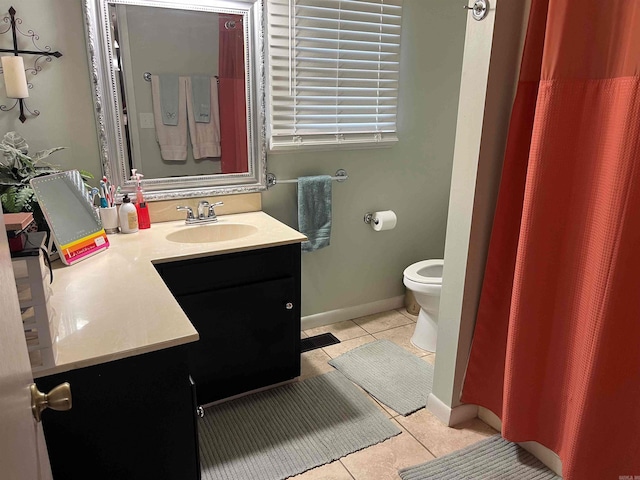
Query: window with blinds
x=334, y=68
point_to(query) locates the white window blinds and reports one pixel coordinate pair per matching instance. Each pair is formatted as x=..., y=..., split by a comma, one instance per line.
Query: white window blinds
x=334, y=67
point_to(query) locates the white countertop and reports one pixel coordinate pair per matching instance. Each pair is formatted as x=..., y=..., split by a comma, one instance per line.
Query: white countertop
x=115, y=304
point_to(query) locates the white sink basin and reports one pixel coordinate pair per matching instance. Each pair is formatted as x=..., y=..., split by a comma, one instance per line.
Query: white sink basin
x=218, y=232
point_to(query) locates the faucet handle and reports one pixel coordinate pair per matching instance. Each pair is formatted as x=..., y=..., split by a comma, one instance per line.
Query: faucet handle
x=189, y=211
x=212, y=211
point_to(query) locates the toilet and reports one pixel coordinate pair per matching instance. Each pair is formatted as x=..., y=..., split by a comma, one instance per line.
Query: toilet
x=424, y=279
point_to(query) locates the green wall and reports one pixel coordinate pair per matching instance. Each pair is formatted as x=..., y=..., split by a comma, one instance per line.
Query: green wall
x=61, y=91
x=412, y=178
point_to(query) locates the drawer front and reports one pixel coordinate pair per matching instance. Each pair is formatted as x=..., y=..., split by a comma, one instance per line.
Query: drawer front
x=228, y=270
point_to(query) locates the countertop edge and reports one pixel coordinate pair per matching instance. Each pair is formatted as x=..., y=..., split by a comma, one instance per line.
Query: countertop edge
x=129, y=246
x=99, y=360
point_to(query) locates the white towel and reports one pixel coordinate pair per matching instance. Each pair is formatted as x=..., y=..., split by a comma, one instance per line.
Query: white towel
x=172, y=139
x=205, y=137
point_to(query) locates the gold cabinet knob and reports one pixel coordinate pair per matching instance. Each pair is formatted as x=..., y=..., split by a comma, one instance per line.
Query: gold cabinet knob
x=57, y=399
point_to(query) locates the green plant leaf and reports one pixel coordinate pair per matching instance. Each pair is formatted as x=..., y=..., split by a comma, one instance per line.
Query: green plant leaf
x=8, y=199
x=24, y=199
x=10, y=155
x=17, y=168
x=15, y=140
x=7, y=176
x=86, y=175
x=9, y=183
x=45, y=153
x=46, y=171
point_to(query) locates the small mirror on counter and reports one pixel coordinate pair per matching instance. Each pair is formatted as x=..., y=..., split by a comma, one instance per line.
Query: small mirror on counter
x=74, y=223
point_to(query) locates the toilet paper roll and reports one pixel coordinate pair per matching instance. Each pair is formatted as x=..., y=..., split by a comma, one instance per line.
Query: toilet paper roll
x=385, y=220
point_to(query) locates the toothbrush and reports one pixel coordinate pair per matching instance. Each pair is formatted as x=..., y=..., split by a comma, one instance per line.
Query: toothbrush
x=107, y=191
x=103, y=194
x=112, y=192
x=92, y=194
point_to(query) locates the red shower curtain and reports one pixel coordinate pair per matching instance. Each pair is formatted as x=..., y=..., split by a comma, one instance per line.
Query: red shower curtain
x=231, y=93
x=556, y=349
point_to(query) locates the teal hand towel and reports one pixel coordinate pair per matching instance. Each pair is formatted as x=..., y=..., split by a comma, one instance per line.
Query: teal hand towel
x=314, y=211
x=201, y=96
x=169, y=94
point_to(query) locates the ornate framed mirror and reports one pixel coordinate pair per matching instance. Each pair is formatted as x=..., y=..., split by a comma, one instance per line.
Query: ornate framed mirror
x=179, y=90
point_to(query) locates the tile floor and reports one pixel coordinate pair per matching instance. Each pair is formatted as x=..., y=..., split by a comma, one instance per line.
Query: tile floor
x=423, y=437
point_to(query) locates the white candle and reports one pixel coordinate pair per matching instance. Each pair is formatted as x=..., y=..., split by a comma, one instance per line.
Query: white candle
x=15, y=80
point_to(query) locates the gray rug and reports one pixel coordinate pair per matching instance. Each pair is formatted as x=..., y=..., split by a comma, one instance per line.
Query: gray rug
x=290, y=429
x=394, y=376
x=492, y=459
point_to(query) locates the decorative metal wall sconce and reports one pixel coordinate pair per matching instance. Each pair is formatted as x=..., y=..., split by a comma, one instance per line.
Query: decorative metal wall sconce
x=13, y=66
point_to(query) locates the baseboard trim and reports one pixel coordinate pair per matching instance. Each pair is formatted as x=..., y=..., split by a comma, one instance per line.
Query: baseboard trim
x=542, y=453
x=451, y=416
x=349, y=313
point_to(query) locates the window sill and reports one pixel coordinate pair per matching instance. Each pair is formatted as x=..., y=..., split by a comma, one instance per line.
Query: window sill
x=315, y=146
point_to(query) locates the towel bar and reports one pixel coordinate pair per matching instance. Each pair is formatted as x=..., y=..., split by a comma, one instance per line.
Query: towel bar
x=340, y=176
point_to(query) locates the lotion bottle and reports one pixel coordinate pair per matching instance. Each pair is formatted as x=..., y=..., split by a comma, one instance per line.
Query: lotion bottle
x=128, y=216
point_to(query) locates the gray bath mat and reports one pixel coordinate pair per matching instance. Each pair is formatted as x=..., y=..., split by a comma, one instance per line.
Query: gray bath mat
x=394, y=376
x=290, y=429
x=490, y=459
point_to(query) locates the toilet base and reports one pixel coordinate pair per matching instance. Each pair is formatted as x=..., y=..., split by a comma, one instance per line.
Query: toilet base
x=425, y=336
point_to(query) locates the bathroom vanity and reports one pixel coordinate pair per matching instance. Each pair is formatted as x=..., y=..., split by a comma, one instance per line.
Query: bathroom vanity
x=246, y=308
x=128, y=346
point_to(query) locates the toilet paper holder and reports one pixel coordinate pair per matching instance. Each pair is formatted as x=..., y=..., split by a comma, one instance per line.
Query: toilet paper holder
x=381, y=221
x=368, y=218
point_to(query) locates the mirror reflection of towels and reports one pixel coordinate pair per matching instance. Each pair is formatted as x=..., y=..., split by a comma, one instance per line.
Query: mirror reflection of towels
x=201, y=94
x=171, y=138
x=205, y=137
x=169, y=98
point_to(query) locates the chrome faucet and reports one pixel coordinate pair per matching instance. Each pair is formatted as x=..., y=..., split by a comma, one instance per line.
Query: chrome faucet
x=201, y=209
x=206, y=213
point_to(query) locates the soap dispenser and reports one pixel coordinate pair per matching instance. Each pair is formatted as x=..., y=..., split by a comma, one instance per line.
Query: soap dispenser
x=128, y=216
x=141, y=205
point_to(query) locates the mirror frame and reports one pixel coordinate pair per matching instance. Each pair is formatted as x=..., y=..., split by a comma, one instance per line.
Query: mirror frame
x=107, y=109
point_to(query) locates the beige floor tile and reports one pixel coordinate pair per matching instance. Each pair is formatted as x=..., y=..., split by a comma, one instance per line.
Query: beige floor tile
x=403, y=311
x=402, y=336
x=314, y=363
x=343, y=347
x=430, y=358
x=342, y=330
x=439, y=438
x=303, y=335
x=382, y=461
x=382, y=321
x=330, y=471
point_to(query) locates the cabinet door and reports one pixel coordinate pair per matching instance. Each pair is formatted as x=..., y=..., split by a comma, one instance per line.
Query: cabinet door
x=131, y=419
x=249, y=337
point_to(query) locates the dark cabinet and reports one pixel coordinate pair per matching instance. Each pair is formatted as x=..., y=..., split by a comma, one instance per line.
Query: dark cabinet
x=131, y=419
x=246, y=308
x=135, y=418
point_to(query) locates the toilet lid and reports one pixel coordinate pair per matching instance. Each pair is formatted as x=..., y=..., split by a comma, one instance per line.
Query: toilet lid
x=426, y=271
